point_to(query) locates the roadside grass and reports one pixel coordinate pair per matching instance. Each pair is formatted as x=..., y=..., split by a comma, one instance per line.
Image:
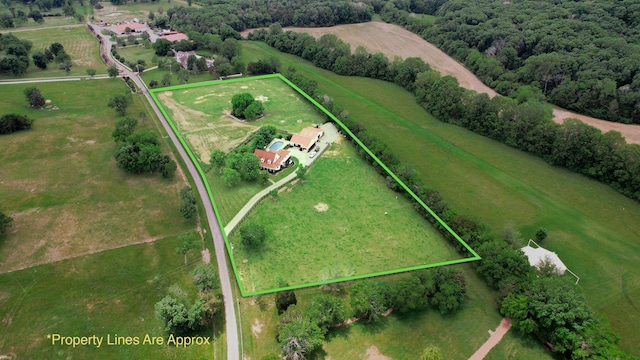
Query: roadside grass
x=78, y=43
x=109, y=293
x=158, y=75
x=594, y=229
x=199, y=116
x=135, y=53
x=112, y=13
x=398, y=336
x=342, y=217
x=61, y=184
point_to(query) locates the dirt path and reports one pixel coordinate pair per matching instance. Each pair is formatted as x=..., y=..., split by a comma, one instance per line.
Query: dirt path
x=392, y=40
x=494, y=339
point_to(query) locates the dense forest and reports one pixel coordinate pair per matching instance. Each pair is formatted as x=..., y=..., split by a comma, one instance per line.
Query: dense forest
x=583, y=56
x=244, y=14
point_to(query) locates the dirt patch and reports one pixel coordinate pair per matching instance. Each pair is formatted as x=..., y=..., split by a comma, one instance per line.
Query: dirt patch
x=262, y=98
x=321, y=207
x=374, y=354
x=256, y=328
x=392, y=41
x=206, y=256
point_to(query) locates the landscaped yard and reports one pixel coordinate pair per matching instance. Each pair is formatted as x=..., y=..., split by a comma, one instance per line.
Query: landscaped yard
x=342, y=217
x=200, y=114
x=110, y=293
x=593, y=228
x=60, y=183
x=78, y=42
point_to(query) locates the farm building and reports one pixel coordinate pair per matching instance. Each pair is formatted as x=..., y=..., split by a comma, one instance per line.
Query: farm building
x=182, y=56
x=135, y=27
x=307, y=138
x=173, y=36
x=273, y=161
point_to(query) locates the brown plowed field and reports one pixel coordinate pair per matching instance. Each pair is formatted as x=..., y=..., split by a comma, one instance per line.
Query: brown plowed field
x=392, y=40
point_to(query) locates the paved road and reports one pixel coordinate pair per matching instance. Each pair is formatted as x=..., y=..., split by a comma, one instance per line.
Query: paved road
x=52, y=79
x=216, y=232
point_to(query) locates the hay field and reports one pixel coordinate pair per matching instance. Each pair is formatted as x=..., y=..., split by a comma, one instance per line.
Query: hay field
x=60, y=183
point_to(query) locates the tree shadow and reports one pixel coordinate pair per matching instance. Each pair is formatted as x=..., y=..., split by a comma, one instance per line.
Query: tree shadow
x=373, y=327
x=338, y=332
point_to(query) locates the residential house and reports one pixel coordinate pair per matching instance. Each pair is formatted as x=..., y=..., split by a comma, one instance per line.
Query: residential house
x=273, y=161
x=135, y=28
x=307, y=138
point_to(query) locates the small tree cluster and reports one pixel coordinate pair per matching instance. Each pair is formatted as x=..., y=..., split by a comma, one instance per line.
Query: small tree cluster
x=263, y=137
x=15, y=59
x=244, y=106
x=120, y=103
x=140, y=152
x=187, y=203
x=252, y=235
x=178, y=314
x=34, y=97
x=241, y=164
x=11, y=123
x=270, y=65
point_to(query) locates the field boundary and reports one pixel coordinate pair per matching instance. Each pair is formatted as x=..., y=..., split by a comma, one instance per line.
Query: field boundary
x=343, y=128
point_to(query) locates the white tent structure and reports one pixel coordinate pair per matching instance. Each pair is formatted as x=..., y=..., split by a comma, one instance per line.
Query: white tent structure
x=538, y=255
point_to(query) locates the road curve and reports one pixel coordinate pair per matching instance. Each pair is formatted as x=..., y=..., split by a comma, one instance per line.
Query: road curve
x=218, y=240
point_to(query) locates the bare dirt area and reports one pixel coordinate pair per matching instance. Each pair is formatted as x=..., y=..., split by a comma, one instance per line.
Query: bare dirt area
x=321, y=207
x=374, y=354
x=392, y=40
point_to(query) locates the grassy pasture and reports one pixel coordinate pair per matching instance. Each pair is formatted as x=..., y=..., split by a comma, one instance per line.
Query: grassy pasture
x=133, y=53
x=199, y=114
x=112, y=13
x=61, y=185
x=595, y=230
x=112, y=292
x=346, y=219
x=157, y=75
x=77, y=41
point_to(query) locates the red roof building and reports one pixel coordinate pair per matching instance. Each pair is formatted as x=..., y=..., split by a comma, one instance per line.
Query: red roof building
x=307, y=138
x=173, y=36
x=135, y=27
x=272, y=160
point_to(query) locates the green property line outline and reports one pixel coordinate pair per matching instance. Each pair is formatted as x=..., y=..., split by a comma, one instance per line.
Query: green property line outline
x=194, y=160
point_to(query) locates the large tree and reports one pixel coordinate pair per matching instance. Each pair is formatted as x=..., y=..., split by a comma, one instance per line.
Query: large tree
x=300, y=337
x=240, y=102
x=120, y=103
x=205, y=277
x=370, y=299
x=124, y=128
x=187, y=203
x=326, y=310
x=179, y=318
x=187, y=243
x=252, y=235
x=34, y=97
x=5, y=223
x=218, y=159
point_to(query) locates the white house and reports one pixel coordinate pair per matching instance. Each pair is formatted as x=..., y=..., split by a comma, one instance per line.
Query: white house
x=272, y=161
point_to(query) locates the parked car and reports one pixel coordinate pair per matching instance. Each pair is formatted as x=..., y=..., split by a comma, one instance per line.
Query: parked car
x=312, y=155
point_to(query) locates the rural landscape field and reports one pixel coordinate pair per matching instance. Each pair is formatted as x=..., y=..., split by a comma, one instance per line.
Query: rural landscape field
x=133, y=205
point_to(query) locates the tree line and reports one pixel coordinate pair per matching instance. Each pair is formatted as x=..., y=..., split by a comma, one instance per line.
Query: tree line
x=540, y=301
x=522, y=122
x=582, y=56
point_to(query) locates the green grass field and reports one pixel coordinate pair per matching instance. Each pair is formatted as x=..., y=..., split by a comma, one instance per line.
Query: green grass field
x=135, y=53
x=78, y=43
x=343, y=217
x=594, y=229
x=199, y=114
x=60, y=183
x=109, y=293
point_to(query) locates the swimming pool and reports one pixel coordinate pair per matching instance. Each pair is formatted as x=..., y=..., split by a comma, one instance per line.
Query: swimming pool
x=276, y=145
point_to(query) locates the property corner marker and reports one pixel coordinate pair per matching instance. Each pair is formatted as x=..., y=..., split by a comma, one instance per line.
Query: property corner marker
x=196, y=163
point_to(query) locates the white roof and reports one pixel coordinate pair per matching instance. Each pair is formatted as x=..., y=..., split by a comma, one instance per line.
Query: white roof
x=537, y=255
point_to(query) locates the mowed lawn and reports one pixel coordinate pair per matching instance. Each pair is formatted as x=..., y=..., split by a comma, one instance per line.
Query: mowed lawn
x=78, y=42
x=135, y=53
x=60, y=183
x=342, y=217
x=199, y=115
x=595, y=230
x=109, y=293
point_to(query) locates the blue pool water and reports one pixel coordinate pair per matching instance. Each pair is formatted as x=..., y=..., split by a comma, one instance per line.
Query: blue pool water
x=276, y=145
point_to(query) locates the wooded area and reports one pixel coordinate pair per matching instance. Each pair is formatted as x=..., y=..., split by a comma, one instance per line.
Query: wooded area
x=583, y=56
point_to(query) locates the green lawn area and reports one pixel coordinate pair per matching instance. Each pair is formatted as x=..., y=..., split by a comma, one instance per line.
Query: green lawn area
x=135, y=53
x=158, y=75
x=109, y=293
x=60, y=183
x=594, y=229
x=343, y=216
x=199, y=114
x=78, y=43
